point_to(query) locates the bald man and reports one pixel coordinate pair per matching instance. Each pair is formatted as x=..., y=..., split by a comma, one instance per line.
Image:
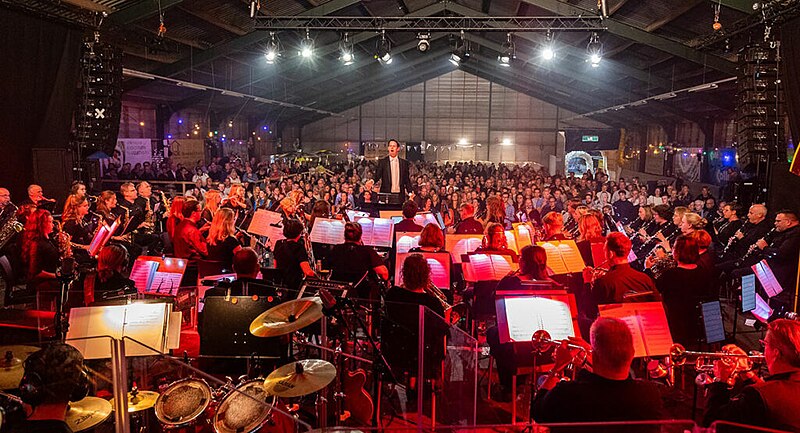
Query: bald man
x=6, y=207
x=36, y=198
x=751, y=231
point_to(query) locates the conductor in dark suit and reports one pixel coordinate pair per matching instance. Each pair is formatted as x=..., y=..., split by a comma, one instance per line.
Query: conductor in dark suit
x=393, y=174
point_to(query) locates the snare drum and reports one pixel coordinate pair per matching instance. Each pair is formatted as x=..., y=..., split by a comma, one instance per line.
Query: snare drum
x=183, y=403
x=248, y=409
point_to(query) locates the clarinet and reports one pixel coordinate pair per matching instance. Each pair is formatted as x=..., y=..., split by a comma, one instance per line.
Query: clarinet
x=753, y=248
x=733, y=238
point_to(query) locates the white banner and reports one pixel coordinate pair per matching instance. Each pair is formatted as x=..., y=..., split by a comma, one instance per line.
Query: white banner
x=135, y=150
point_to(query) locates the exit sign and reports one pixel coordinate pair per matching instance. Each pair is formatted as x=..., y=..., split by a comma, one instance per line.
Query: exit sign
x=590, y=139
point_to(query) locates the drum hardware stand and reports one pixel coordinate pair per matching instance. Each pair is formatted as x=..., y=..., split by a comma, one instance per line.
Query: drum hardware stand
x=66, y=276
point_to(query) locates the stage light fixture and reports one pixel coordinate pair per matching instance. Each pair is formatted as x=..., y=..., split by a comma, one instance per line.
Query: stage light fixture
x=424, y=43
x=509, y=52
x=273, y=49
x=384, y=50
x=461, y=52
x=346, y=52
x=307, y=46
x=548, y=53
x=595, y=50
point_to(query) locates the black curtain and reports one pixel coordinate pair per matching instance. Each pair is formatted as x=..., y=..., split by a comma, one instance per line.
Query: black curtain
x=38, y=89
x=790, y=54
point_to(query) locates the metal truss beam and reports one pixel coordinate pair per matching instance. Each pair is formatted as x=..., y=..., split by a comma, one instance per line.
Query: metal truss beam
x=771, y=12
x=433, y=24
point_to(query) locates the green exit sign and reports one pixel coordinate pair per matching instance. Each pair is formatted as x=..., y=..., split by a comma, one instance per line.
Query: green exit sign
x=590, y=139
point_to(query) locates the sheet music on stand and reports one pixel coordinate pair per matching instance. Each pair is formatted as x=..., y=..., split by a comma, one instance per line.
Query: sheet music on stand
x=522, y=235
x=328, y=231
x=767, y=279
x=712, y=321
x=521, y=314
x=149, y=324
x=155, y=275
x=102, y=237
x=648, y=324
x=376, y=232
x=459, y=245
x=268, y=224
x=353, y=214
x=405, y=241
x=763, y=311
x=487, y=267
x=440, y=268
x=425, y=218
x=748, y=293
x=511, y=240
x=563, y=257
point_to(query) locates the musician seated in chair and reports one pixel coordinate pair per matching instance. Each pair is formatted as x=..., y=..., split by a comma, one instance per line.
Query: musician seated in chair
x=352, y=261
x=495, y=242
x=769, y=403
x=603, y=390
x=108, y=281
x=54, y=376
x=246, y=266
x=400, y=326
x=620, y=283
x=291, y=257
x=408, y=224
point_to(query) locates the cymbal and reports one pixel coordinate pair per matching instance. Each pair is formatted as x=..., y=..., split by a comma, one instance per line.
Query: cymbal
x=11, y=359
x=143, y=400
x=287, y=317
x=300, y=378
x=87, y=413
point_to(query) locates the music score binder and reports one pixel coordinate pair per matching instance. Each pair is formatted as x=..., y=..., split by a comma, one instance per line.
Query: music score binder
x=563, y=257
x=405, y=241
x=459, y=245
x=767, y=279
x=328, y=231
x=267, y=223
x=157, y=275
x=376, y=232
x=522, y=235
x=425, y=218
x=648, y=324
x=521, y=313
x=487, y=267
x=440, y=268
x=102, y=237
x=748, y=293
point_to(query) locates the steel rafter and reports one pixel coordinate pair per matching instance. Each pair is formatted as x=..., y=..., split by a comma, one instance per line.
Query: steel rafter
x=433, y=24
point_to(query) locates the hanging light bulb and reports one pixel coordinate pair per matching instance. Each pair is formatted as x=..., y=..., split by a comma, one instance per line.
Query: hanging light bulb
x=384, y=51
x=461, y=53
x=346, y=54
x=273, y=49
x=717, y=26
x=547, y=50
x=307, y=46
x=509, y=52
x=595, y=50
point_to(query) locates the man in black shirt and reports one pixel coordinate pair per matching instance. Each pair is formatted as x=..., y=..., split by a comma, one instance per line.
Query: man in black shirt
x=782, y=256
x=621, y=281
x=468, y=225
x=54, y=376
x=606, y=393
x=408, y=224
x=625, y=210
x=352, y=260
x=291, y=258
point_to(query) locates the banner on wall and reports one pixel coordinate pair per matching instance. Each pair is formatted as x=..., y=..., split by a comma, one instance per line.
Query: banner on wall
x=133, y=150
x=186, y=151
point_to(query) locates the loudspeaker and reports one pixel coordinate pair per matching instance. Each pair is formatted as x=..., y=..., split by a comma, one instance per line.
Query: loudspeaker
x=783, y=188
x=100, y=106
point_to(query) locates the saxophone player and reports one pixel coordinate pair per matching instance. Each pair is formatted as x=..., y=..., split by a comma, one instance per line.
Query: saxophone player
x=7, y=209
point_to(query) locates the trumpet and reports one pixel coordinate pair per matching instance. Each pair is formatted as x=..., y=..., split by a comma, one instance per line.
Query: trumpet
x=542, y=342
x=704, y=362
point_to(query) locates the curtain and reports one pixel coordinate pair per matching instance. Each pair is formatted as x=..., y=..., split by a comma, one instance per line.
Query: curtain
x=790, y=71
x=38, y=90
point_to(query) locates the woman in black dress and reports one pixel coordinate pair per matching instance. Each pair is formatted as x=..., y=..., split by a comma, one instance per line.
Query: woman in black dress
x=39, y=253
x=73, y=222
x=222, y=244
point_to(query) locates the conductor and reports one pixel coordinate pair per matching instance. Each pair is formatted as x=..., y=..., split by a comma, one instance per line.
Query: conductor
x=392, y=171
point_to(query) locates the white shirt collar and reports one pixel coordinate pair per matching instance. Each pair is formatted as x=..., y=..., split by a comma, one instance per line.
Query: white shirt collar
x=393, y=158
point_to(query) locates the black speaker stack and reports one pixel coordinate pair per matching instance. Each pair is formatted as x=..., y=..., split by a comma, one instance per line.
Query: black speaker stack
x=100, y=103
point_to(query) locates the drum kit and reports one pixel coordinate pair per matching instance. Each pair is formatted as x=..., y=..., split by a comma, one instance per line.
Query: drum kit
x=191, y=404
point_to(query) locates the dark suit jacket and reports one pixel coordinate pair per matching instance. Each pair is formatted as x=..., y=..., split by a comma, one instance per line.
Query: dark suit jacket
x=384, y=174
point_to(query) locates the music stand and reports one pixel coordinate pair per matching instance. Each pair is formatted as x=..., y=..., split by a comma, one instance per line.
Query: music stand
x=520, y=313
x=712, y=322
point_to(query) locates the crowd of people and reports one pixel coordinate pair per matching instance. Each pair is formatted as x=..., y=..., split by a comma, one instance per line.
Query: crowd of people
x=659, y=242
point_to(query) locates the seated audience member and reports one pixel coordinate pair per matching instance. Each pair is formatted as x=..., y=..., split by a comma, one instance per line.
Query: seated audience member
x=603, y=390
x=291, y=258
x=352, y=260
x=408, y=224
x=189, y=243
x=109, y=282
x=769, y=403
x=554, y=227
x=54, y=377
x=468, y=225
x=495, y=242
x=222, y=244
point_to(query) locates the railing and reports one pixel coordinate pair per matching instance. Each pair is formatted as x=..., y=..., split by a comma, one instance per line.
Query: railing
x=168, y=185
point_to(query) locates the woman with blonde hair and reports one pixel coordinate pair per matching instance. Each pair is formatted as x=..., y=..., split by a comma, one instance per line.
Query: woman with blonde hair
x=222, y=242
x=213, y=201
x=73, y=220
x=692, y=222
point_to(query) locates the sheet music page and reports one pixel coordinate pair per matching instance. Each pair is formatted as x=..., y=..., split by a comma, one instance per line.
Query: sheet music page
x=554, y=260
x=142, y=274
x=481, y=267
x=648, y=324
x=174, y=330
x=260, y=224
x=426, y=218
x=523, y=235
x=526, y=315
x=97, y=241
x=762, y=311
x=166, y=283
x=512, y=241
x=367, y=229
x=440, y=272
x=462, y=244
x=405, y=242
x=767, y=278
x=328, y=231
x=502, y=266
x=107, y=235
x=618, y=312
x=571, y=255
x=632, y=256
x=92, y=322
x=146, y=323
x=382, y=232
x=748, y=292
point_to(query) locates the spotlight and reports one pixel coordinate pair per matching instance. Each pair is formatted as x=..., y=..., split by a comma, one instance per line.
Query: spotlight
x=424, y=43
x=346, y=51
x=547, y=50
x=384, y=51
x=595, y=50
x=273, y=49
x=508, y=52
x=307, y=46
x=461, y=53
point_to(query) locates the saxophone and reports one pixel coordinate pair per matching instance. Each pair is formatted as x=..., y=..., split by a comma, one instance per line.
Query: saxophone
x=149, y=217
x=63, y=241
x=450, y=315
x=10, y=228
